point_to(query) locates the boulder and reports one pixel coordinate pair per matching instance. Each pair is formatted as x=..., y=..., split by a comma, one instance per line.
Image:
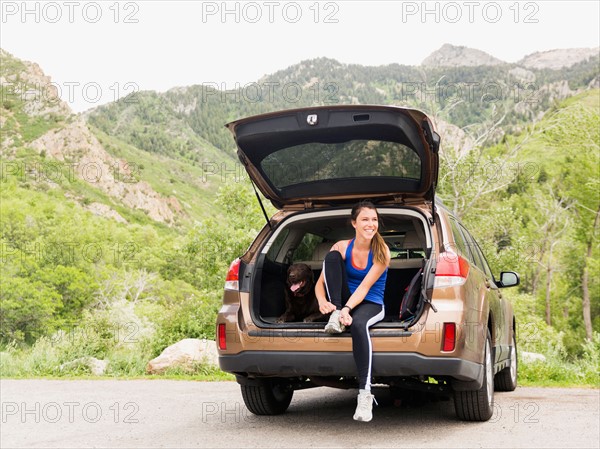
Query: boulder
x=184, y=354
x=95, y=366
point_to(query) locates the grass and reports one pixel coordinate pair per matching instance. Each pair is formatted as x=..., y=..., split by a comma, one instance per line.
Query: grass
x=43, y=361
x=213, y=374
x=40, y=362
x=552, y=373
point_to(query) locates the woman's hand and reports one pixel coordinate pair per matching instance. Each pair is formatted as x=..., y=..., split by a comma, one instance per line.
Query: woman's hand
x=345, y=317
x=325, y=307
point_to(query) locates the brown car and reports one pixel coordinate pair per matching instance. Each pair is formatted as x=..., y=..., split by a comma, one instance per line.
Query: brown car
x=447, y=328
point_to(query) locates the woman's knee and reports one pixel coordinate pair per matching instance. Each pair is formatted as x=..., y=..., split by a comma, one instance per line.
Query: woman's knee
x=359, y=328
x=333, y=257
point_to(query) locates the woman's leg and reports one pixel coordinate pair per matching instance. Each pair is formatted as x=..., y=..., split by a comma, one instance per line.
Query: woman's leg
x=364, y=316
x=336, y=281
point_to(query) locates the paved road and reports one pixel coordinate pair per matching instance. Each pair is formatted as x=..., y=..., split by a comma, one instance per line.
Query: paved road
x=157, y=413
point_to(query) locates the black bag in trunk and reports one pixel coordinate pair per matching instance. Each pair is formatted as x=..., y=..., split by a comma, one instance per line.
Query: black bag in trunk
x=410, y=300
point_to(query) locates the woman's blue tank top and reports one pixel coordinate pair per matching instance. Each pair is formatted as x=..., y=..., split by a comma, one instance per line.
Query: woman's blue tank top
x=356, y=276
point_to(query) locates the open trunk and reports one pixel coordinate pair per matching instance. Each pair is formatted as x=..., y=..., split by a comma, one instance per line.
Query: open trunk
x=307, y=237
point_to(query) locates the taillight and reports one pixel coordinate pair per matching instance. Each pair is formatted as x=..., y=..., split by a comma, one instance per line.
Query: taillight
x=449, y=336
x=232, y=281
x=451, y=269
x=222, y=337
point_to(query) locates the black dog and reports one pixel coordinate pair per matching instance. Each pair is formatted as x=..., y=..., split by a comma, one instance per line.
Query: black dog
x=300, y=301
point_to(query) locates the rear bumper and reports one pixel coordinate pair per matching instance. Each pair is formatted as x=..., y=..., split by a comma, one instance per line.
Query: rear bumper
x=385, y=364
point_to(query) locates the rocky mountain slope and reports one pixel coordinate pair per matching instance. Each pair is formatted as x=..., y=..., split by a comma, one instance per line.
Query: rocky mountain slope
x=456, y=56
x=76, y=144
x=34, y=119
x=557, y=59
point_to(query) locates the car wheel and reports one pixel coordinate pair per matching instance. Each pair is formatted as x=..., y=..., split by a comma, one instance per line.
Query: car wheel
x=478, y=405
x=267, y=397
x=506, y=380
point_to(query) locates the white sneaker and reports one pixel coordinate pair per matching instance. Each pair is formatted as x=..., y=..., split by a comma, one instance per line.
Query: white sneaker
x=364, y=408
x=334, y=326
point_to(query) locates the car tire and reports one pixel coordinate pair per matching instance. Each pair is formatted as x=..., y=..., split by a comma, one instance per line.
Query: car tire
x=506, y=380
x=268, y=397
x=478, y=405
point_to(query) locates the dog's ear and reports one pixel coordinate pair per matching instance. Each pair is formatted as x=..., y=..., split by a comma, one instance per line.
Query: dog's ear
x=308, y=273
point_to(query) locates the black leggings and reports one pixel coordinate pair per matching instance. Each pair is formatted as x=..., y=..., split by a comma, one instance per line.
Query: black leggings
x=363, y=316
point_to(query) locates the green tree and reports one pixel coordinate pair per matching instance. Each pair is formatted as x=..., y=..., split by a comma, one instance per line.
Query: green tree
x=576, y=131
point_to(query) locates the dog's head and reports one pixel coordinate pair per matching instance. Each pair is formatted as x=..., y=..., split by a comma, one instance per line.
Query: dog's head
x=300, y=279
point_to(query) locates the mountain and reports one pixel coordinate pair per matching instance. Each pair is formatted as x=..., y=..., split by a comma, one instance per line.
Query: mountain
x=166, y=154
x=455, y=56
x=557, y=59
x=178, y=122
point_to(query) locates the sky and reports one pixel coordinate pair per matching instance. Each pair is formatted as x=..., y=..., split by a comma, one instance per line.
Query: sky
x=99, y=51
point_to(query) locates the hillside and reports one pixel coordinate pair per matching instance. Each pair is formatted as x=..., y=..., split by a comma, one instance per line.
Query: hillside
x=114, y=179
x=91, y=224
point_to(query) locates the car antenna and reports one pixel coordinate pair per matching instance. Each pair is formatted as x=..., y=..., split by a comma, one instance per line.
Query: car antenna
x=261, y=205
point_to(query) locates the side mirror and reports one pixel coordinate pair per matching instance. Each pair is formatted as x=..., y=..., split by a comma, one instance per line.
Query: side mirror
x=508, y=279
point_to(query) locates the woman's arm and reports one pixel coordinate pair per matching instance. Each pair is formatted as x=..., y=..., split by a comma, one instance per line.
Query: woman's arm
x=325, y=306
x=361, y=291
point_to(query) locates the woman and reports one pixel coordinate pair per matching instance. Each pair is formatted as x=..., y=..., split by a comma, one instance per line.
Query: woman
x=351, y=288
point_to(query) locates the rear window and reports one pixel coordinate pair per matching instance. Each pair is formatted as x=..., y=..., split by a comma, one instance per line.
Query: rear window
x=346, y=160
x=459, y=240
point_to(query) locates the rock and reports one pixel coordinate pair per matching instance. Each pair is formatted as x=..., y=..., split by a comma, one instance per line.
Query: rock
x=102, y=210
x=79, y=148
x=532, y=357
x=185, y=354
x=454, y=138
x=39, y=92
x=559, y=90
x=456, y=56
x=522, y=74
x=97, y=367
x=559, y=58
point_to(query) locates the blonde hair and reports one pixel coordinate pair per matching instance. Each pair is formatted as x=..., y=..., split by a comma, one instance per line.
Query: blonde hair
x=378, y=245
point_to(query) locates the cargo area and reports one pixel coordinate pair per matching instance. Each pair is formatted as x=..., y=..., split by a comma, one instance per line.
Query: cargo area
x=307, y=238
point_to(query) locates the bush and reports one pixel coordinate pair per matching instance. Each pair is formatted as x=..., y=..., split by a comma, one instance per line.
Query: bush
x=194, y=318
x=556, y=371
